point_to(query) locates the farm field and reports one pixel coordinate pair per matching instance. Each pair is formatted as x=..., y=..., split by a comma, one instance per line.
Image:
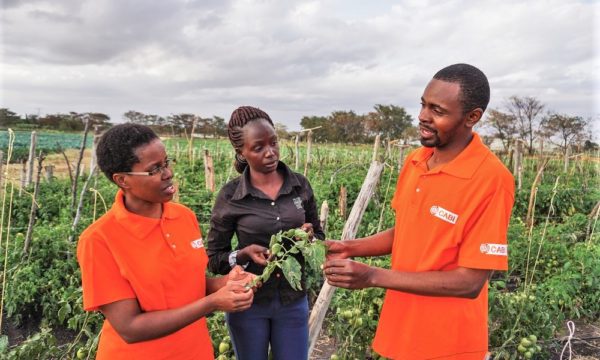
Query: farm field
x=554, y=245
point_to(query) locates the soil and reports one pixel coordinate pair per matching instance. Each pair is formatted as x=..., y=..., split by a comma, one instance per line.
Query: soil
x=19, y=333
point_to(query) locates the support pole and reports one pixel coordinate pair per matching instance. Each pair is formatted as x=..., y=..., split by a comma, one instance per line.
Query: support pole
x=317, y=315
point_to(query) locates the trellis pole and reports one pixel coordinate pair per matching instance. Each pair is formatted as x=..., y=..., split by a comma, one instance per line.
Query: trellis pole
x=317, y=315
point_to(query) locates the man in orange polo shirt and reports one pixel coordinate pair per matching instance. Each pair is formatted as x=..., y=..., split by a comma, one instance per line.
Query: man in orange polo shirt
x=453, y=202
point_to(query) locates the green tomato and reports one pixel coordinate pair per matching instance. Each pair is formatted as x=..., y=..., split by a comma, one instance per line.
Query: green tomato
x=528, y=355
x=358, y=321
x=226, y=339
x=221, y=357
x=538, y=348
x=522, y=349
x=223, y=347
x=525, y=342
x=334, y=357
x=533, y=338
x=348, y=314
x=81, y=353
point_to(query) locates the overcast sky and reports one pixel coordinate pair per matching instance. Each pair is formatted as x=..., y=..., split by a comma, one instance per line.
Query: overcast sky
x=290, y=58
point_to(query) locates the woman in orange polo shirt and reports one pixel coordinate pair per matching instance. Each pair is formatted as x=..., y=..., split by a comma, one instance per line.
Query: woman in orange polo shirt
x=143, y=263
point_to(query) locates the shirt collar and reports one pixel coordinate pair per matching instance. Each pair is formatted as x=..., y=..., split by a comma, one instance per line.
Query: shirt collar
x=462, y=166
x=245, y=188
x=137, y=225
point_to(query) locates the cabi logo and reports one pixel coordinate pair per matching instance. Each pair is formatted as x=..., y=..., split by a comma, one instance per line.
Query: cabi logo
x=494, y=249
x=441, y=213
x=197, y=244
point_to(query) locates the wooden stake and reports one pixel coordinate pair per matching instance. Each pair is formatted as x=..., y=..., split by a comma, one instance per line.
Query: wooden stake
x=317, y=315
x=534, y=185
x=209, y=171
x=94, y=158
x=566, y=159
x=518, y=166
x=376, y=147
x=49, y=172
x=34, y=206
x=1, y=164
x=308, y=146
x=324, y=215
x=343, y=202
x=31, y=159
x=23, y=175
x=297, y=155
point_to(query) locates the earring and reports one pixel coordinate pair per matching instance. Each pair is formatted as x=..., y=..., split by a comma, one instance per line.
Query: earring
x=240, y=158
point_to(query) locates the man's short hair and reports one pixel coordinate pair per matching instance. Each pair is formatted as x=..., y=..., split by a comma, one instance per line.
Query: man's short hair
x=116, y=149
x=474, y=86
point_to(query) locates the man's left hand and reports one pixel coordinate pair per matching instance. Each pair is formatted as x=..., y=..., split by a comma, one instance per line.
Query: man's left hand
x=348, y=274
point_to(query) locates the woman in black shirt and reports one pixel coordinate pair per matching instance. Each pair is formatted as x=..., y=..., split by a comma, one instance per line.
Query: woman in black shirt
x=267, y=198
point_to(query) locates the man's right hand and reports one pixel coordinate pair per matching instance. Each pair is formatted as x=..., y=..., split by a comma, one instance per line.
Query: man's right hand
x=336, y=249
x=256, y=253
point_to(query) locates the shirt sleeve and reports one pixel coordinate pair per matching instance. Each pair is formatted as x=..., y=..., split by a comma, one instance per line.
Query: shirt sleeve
x=312, y=215
x=101, y=277
x=218, y=246
x=484, y=245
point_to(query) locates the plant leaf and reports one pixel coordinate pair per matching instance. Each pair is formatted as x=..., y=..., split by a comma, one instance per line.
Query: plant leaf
x=293, y=272
x=314, y=254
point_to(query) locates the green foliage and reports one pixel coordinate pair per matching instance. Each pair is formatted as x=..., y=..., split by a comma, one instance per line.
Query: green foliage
x=554, y=271
x=282, y=246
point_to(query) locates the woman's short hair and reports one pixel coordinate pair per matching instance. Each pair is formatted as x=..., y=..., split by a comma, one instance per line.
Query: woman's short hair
x=115, y=151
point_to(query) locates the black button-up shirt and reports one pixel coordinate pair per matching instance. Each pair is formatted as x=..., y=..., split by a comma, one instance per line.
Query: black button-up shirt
x=242, y=209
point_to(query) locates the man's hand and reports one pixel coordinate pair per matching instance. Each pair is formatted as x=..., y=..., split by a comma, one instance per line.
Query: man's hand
x=256, y=253
x=348, y=274
x=336, y=249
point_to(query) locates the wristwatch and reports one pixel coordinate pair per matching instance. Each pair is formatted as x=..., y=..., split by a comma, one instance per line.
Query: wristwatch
x=233, y=259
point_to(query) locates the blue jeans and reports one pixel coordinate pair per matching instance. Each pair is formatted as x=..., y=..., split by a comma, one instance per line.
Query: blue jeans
x=285, y=327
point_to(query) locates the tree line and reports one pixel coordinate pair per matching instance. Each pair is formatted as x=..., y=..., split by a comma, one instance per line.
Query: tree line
x=519, y=119
x=526, y=119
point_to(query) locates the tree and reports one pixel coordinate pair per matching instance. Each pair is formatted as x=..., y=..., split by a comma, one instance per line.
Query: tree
x=8, y=118
x=135, y=117
x=309, y=122
x=281, y=131
x=346, y=126
x=219, y=126
x=527, y=111
x=388, y=120
x=182, y=122
x=503, y=126
x=566, y=129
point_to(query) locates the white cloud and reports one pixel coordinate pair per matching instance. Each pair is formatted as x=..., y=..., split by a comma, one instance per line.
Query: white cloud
x=290, y=58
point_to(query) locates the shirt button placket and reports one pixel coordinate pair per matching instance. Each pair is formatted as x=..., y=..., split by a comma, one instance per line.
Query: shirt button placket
x=168, y=236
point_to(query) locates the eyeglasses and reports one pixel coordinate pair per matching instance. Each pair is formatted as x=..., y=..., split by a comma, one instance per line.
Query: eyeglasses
x=157, y=170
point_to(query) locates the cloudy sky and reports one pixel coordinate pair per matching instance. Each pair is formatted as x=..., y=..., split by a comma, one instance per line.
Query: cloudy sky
x=290, y=58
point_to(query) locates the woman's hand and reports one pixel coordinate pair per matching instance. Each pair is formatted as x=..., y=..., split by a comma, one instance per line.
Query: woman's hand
x=256, y=253
x=237, y=274
x=234, y=296
x=308, y=228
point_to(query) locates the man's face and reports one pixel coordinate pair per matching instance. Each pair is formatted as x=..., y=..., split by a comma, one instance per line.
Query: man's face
x=441, y=119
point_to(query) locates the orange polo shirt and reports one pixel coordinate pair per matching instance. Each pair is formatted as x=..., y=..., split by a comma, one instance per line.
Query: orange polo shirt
x=159, y=262
x=454, y=215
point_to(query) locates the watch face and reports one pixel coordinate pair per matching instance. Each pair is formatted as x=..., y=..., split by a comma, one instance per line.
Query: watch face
x=233, y=258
